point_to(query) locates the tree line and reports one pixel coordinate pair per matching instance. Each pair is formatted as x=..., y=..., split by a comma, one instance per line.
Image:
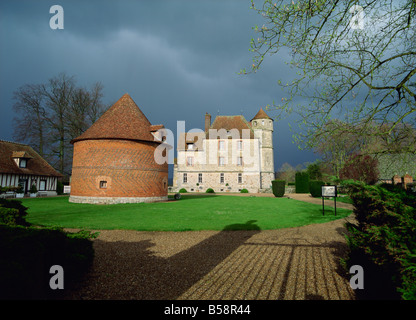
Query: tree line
x=49, y=115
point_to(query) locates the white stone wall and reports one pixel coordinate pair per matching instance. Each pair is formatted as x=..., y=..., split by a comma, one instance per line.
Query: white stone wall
x=206, y=162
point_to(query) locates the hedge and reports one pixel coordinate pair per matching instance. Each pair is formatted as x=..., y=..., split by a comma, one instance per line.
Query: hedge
x=183, y=190
x=302, y=182
x=210, y=190
x=315, y=187
x=384, y=241
x=278, y=187
x=244, y=191
x=12, y=212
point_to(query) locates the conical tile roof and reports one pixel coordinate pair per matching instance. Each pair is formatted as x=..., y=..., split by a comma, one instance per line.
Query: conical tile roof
x=261, y=115
x=123, y=120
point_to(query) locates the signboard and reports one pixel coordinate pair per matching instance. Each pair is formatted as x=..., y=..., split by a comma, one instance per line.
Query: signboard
x=329, y=191
x=67, y=189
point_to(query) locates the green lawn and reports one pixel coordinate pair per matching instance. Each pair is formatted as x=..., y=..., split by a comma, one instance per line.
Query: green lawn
x=192, y=212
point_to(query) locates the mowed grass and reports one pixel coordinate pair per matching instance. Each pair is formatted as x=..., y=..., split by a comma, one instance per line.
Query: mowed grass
x=192, y=212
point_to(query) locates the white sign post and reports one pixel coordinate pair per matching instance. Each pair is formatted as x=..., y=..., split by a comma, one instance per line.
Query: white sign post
x=327, y=192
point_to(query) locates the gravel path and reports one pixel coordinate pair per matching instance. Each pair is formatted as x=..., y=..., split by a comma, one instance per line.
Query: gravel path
x=295, y=264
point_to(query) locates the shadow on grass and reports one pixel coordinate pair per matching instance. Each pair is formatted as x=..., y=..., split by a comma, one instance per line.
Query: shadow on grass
x=187, y=196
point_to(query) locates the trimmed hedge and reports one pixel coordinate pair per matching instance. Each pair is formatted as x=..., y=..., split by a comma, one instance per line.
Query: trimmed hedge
x=278, y=187
x=183, y=190
x=210, y=190
x=315, y=188
x=244, y=191
x=12, y=212
x=302, y=182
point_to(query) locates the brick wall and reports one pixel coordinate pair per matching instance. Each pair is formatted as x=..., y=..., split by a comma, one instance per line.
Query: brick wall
x=117, y=168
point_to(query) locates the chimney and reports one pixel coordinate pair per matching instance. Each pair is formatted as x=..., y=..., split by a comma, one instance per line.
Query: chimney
x=207, y=121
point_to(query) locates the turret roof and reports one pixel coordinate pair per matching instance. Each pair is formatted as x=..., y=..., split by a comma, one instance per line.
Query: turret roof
x=261, y=115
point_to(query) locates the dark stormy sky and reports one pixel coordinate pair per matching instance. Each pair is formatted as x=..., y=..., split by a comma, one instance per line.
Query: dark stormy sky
x=177, y=59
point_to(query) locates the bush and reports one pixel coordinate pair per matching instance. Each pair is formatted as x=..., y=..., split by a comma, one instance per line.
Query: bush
x=302, y=182
x=183, y=190
x=33, y=189
x=315, y=187
x=210, y=190
x=12, y=212
x=59, y=188
x=28, y=253
x=361, y=168
x=384, y=241
x=278, y=187
x=244, y=191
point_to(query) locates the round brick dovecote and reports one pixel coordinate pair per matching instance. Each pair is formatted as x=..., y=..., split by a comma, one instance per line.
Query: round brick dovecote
x=114, y=163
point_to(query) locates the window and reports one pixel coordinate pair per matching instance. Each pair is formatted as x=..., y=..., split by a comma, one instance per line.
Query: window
x=42, y=185
x=221, y=145
x=221, y=177
x=262, y=122
x=189, y=161
x=240, y=178
x=185, y=178
x=239, y=161
x=22, y=163
x=221, y=161
x=239, y=145
x=199, y=177
x=190, y=146
x=103, y=184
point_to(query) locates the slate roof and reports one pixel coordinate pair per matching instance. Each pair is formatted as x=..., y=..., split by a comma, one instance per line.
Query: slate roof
x=124, y=121
x=36, y=165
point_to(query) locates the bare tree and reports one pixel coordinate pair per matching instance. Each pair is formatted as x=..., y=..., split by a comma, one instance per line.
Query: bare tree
x=29, y=125
x=49, y=115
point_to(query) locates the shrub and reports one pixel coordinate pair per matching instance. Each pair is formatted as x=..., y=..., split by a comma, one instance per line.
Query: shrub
x=384, y=241
x=12, y=212
x=244, y=191
x=278, y=187
x=302, y=182
x=33, y=189
x=183, y=190
x=315, y=187
x=59, y=188
x=210, y=190
x=361, y=168
x=28, y=253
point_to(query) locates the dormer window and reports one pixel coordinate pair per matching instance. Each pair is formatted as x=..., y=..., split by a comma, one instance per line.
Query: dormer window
x=21, y=158
x=190, y=146
x=23, y=163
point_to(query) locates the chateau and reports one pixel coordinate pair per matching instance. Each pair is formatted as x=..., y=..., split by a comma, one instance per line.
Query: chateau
x=230, y=155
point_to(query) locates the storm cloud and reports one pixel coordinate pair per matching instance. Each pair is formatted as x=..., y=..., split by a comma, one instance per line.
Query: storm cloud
x=176, y=59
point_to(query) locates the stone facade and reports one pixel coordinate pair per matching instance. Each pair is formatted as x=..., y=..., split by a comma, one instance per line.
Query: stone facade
x=232, y=154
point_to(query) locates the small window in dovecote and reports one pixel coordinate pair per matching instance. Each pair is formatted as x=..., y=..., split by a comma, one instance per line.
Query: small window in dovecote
x=103, y=184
